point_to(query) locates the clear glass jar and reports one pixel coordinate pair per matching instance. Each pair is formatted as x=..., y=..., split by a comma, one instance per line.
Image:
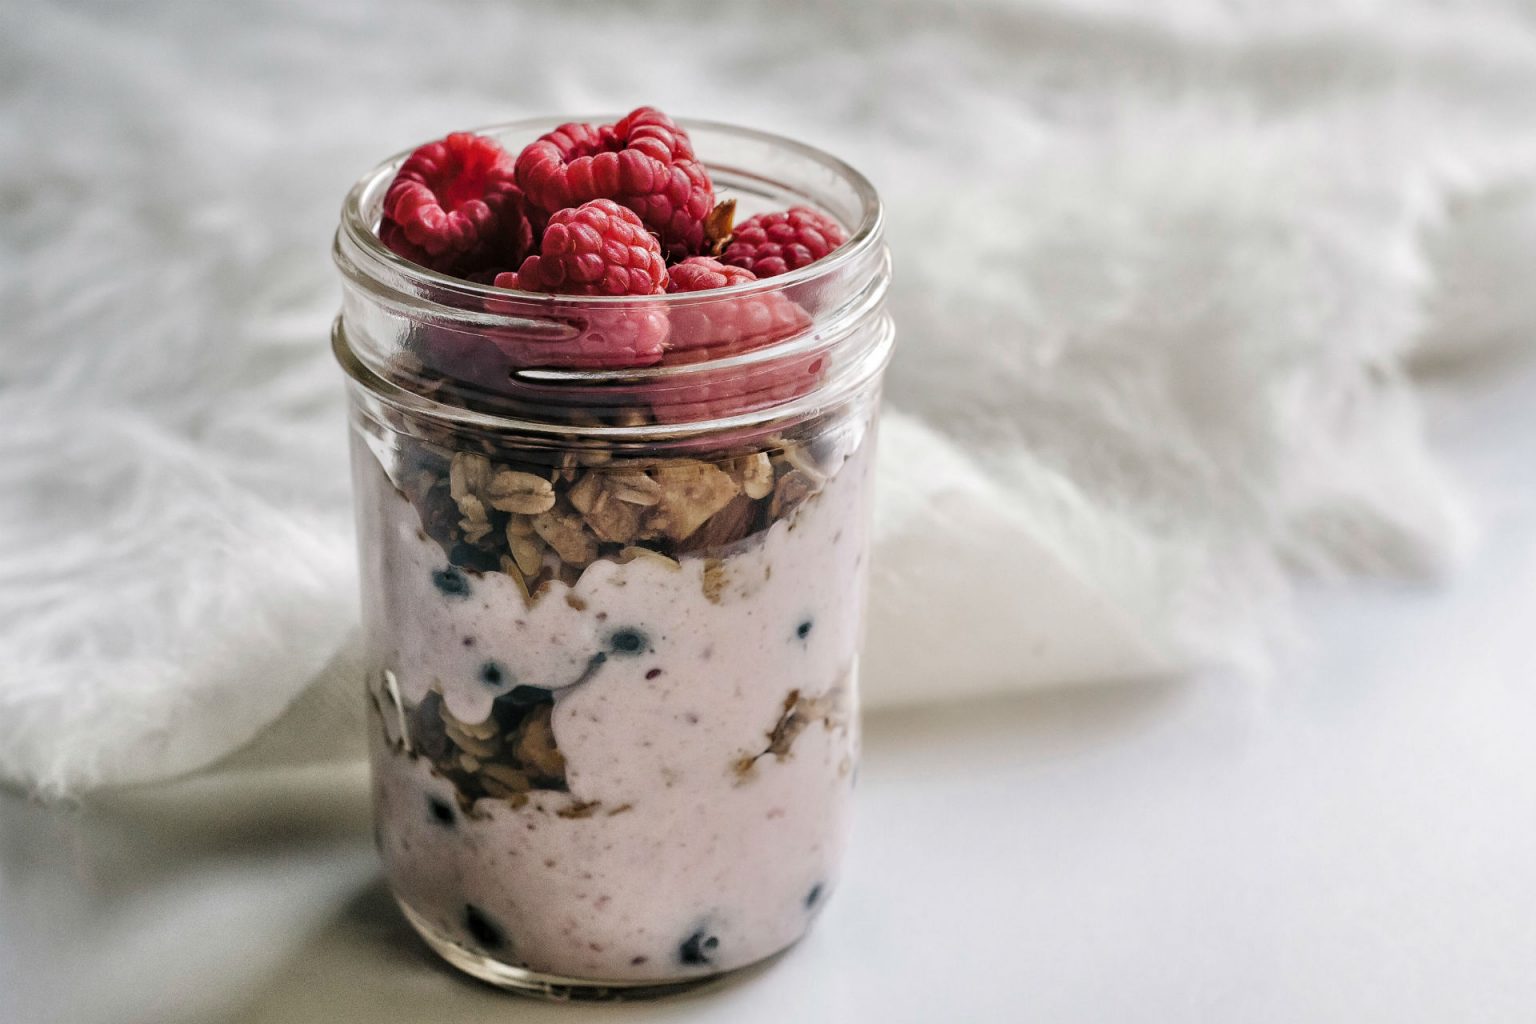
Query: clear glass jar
x=613, y=616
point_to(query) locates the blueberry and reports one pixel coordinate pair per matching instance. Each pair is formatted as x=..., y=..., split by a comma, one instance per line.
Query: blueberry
x=481, y=929
x=813, y=897
x=451, y=582
x=493, y=675
x=698, y=948
x=442, y=812
x=627, y=641
x=804, y=629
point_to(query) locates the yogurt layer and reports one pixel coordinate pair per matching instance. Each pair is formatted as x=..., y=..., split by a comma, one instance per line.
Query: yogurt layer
x=685, y=740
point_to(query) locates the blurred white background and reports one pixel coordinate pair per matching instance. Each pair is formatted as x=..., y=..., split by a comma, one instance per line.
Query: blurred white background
x=1199, y=303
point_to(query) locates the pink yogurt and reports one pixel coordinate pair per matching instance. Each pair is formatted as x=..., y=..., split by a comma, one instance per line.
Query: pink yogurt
x=686, y=847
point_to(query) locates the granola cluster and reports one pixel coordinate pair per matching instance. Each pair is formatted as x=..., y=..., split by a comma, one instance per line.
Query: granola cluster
x=496, y=511
x=505, y=757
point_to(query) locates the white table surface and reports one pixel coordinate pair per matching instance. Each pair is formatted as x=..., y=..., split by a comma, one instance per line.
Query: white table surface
x=1352, y=841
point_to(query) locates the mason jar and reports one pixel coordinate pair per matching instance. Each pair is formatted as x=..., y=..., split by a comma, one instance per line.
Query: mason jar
x=613, y=615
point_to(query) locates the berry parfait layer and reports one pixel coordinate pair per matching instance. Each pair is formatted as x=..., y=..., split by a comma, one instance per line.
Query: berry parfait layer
x=613, y=388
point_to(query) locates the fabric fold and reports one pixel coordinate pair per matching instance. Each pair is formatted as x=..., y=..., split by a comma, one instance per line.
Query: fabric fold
x=1164, y=276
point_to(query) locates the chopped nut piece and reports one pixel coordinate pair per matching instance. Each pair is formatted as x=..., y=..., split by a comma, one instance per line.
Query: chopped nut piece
x=727, y=526
x=585, y=493
x=793, y=488
x=519, y=526
x=536, y=744
x=523, y=493
x=691, y=493
x=566, y=535
x=756, y=475
x=615, y=521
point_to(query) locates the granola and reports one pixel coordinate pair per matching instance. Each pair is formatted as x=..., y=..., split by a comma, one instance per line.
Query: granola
x=506, y=756
x=500, y=510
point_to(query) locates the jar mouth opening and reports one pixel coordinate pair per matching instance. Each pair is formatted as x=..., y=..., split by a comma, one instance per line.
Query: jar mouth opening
x=359, y=226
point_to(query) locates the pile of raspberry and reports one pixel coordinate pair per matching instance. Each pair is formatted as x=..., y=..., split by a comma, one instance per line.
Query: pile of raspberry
x=615, y=209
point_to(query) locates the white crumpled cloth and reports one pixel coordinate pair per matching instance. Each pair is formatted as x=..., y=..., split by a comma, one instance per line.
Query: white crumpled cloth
x=1165, y=272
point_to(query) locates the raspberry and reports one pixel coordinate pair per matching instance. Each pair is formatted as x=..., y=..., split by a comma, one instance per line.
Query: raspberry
x=599, y=248
x=701, y=273
x=600, y=339
x=773, y=243
x=606, y=339
x=597, y=339
x=454, y=207
x=644, y=161
x=729, y=326
x=714, y=329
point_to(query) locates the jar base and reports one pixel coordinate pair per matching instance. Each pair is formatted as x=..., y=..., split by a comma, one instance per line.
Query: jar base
x=559, y=988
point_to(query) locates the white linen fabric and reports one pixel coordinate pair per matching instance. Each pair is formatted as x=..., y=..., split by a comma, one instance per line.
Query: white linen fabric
x=1164, y=271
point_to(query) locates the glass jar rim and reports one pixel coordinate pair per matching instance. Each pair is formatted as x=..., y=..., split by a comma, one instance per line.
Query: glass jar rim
x=359, y=230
